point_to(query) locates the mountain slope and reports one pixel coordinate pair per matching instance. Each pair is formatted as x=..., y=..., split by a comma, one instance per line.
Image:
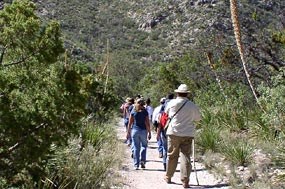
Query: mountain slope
x=143, y=33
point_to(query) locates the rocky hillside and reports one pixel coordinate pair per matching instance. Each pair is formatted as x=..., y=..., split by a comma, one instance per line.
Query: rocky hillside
x=144, y=33
x=166, y=28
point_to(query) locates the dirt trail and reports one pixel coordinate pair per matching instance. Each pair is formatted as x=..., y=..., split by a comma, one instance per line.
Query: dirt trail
x=152, y=176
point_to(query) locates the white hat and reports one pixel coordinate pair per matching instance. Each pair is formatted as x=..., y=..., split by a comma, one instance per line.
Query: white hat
x=162, y=100
x=182, y=89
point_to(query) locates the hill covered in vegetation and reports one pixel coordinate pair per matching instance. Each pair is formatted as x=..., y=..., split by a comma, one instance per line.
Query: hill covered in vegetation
x=143, y=34
x=57, y=104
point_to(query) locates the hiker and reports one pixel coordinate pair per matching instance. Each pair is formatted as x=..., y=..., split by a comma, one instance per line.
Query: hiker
x=161, y=134
x=149, y=109
x=139, y=130
x=169, y=97
x=180, y=134
x=157, y=110
x=127, y=108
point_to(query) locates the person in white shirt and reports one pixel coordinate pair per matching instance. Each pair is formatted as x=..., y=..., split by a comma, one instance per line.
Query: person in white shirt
x=149, y=109
x=180, y=134
x=155, y=121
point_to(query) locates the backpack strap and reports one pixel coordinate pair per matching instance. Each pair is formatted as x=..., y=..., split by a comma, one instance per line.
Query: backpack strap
x=179, y=109
x=167, y=125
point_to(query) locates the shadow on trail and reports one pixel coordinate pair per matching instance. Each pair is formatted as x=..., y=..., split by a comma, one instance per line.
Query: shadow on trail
x=203, y=186
x=152, y=160
x=152, y=147
x=209, y=186
x=146, y=169
x=202, y=169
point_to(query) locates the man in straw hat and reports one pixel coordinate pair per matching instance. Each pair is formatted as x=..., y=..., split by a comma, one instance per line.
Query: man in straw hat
x=180, y=134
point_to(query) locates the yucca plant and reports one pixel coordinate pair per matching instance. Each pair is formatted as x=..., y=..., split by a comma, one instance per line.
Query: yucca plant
x=237, y=31
x=237, y=151
x=279, y=158
x=209, y=138
x=235, y=120
x=87, y=165
x=262, y=131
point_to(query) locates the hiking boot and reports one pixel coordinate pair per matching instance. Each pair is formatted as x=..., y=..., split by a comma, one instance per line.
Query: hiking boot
x=185, y=183
x=167, y=179
x=160, y=155
x=142, y=165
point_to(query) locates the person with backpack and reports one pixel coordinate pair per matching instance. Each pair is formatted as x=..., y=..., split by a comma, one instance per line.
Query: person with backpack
x=169, y=97
x=161, y=136
x=180, y=134
x=155, y=120
x=139, y=131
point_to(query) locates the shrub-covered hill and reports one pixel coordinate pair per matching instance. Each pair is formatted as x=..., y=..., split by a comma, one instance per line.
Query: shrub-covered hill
x=142, y=33
x=158, y=30
x=134, y=36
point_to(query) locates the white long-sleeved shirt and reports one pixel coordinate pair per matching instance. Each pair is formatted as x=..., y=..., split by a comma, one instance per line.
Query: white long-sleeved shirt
x=149, y=110
x=156, y=113
x=182, y=123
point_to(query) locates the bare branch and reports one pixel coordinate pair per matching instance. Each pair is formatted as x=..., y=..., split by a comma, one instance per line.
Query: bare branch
x=23, y=59
x=2, y=55
x=21, y=140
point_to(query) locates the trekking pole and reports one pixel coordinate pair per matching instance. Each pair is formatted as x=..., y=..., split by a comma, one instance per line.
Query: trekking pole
x=193, y=154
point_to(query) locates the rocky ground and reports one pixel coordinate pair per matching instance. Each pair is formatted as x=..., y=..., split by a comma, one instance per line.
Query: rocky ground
x=152, y=176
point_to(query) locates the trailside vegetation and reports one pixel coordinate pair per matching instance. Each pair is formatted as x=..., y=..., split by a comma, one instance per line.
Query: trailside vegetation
x=56, y=99
x=53, y=110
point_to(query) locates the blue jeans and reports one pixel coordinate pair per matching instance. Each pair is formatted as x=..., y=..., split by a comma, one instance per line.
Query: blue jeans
x=126, y=122
x=163, y=138
x=160, y=145
x=139, y=145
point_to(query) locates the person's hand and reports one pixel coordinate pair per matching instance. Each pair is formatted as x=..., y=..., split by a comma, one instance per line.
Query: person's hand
x=128, y=134
x=157, y=136
x=149, y=135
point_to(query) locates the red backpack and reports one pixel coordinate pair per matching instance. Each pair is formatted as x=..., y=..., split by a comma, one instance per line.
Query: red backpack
x=163, y=119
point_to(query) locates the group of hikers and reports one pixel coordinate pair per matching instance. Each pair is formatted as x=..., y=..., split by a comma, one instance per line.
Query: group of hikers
x=173, y=142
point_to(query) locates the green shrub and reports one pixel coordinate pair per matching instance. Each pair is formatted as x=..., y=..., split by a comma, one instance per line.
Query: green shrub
x=279, y=158
x=272, y=100
x=87, y=167
x=237, y=151
x=208, y=138
x=262, y=131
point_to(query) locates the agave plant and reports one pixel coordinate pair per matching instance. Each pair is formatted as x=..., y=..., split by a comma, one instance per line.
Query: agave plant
x=237, y=151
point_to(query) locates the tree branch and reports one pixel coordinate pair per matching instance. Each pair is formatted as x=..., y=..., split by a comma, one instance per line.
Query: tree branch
x=21, y=140
x=2, y=55
x=20, y=61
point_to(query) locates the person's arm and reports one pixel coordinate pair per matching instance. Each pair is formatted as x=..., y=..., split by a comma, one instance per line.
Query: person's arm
x=148, y=127
x=124, y=111
x=131, y=121
x=158, y=131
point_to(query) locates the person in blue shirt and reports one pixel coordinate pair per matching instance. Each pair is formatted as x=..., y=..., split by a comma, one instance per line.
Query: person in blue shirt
x=139, y=130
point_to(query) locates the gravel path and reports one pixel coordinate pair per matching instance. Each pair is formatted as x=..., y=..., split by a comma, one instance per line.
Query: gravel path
x=152, y=176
